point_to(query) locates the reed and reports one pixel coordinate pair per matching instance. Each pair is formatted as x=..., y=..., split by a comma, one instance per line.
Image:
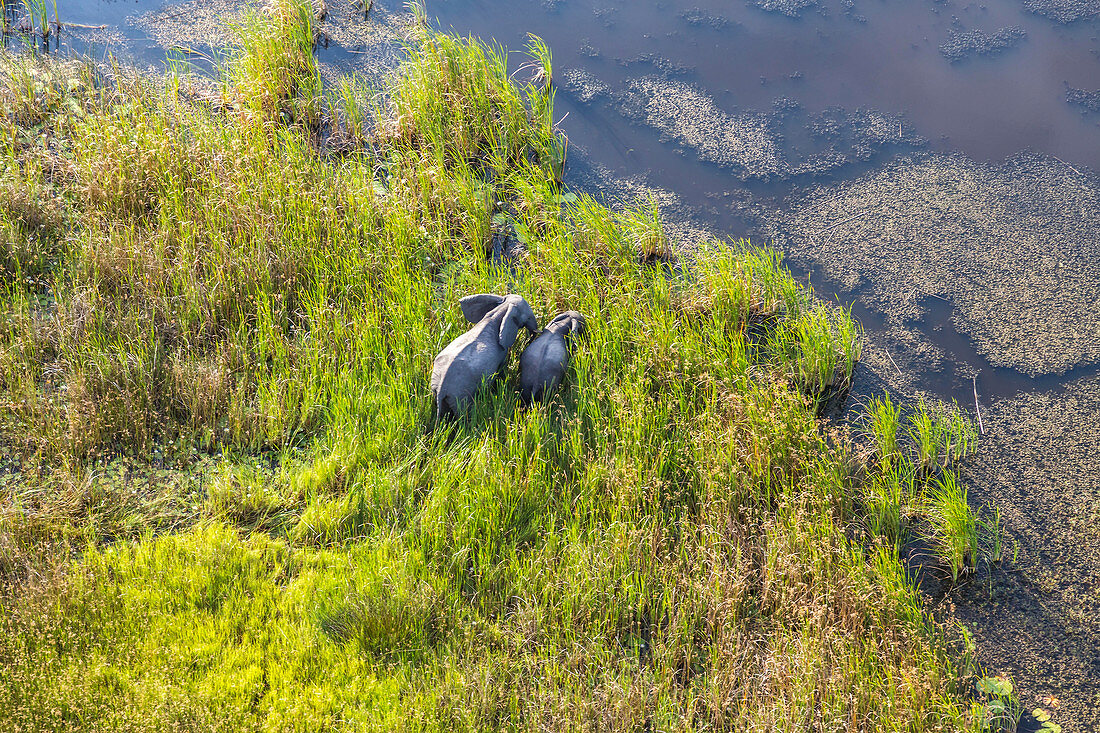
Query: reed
x=955, y=525
x=38, y=17
x=882, y=424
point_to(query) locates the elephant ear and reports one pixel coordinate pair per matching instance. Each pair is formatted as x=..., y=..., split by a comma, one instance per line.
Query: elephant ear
x=474, y=307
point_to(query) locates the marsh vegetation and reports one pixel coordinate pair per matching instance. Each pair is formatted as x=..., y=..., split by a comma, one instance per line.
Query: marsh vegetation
x=223, y=501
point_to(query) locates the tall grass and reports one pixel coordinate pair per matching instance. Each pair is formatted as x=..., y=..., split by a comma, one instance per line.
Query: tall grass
x=890, y=498
x=230, y=509
x=818, y=349
x=941, y=435
x=38, y=16
x=883, y=423
x=274, y=75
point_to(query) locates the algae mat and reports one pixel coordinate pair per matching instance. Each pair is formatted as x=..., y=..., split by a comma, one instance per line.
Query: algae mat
x=1012, y=247
x=1039, y=617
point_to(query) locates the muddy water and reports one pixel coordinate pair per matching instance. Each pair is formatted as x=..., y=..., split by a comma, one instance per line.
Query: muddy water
x=932, y=162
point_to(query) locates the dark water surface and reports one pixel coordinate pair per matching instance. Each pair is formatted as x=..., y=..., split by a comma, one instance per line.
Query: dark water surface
x=881, y=54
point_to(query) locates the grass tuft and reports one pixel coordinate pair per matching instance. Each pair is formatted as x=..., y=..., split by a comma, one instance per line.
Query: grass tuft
x=273, y=76
x=956, y=528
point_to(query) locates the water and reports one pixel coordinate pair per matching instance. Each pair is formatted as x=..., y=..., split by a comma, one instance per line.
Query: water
x=884, y=55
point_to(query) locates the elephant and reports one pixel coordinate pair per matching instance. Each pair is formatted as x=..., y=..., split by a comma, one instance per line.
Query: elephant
x=543, y=363
x=480, y=354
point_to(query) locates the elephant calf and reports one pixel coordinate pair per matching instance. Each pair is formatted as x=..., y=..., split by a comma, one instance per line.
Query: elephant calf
x=481, y=353
x=543, y=363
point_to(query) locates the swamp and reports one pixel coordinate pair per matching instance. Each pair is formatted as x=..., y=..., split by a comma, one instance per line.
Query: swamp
x=823, y=460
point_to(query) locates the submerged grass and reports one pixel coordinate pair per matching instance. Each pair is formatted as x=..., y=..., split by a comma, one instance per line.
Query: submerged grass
x=223, y=504
x=915, y=480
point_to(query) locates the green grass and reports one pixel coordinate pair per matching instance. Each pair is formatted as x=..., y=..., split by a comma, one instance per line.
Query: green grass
x=223, y=504
x=889, y=499
x=914, y=480
x=883, y=423
x=274, y=75
x=956, y=528
x=941, y=434
x=38, y=16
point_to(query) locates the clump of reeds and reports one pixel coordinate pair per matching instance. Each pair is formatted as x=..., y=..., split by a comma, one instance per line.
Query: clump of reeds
x=884, y=421
x=274, y=74
x=818, y=349
x=916, y=479
x=940, y=436
x=39, y=20
x=955, y=527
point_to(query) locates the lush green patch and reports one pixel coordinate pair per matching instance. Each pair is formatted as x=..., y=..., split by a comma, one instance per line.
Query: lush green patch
x=224, y=503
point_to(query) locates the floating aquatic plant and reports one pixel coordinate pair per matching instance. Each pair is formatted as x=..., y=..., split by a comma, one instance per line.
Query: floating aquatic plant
x=999, y=708
x=1046, y=725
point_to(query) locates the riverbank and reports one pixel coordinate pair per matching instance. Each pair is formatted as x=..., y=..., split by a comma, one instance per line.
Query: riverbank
x=225, y=503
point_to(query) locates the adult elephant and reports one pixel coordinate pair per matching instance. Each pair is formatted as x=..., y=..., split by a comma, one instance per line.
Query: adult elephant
x=480, y=354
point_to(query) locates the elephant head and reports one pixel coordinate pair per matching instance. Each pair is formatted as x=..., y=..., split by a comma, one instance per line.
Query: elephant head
x=511, y=312
x=569, y=324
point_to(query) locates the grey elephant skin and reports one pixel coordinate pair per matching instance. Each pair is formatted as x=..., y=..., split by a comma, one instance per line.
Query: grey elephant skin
x=543, y=364
x=481, y=353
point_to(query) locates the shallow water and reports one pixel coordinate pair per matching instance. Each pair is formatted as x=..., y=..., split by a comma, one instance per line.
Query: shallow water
x=882, y=54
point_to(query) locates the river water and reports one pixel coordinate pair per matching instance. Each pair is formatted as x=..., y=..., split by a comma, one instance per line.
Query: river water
x=886, y=55
x=930, y=162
